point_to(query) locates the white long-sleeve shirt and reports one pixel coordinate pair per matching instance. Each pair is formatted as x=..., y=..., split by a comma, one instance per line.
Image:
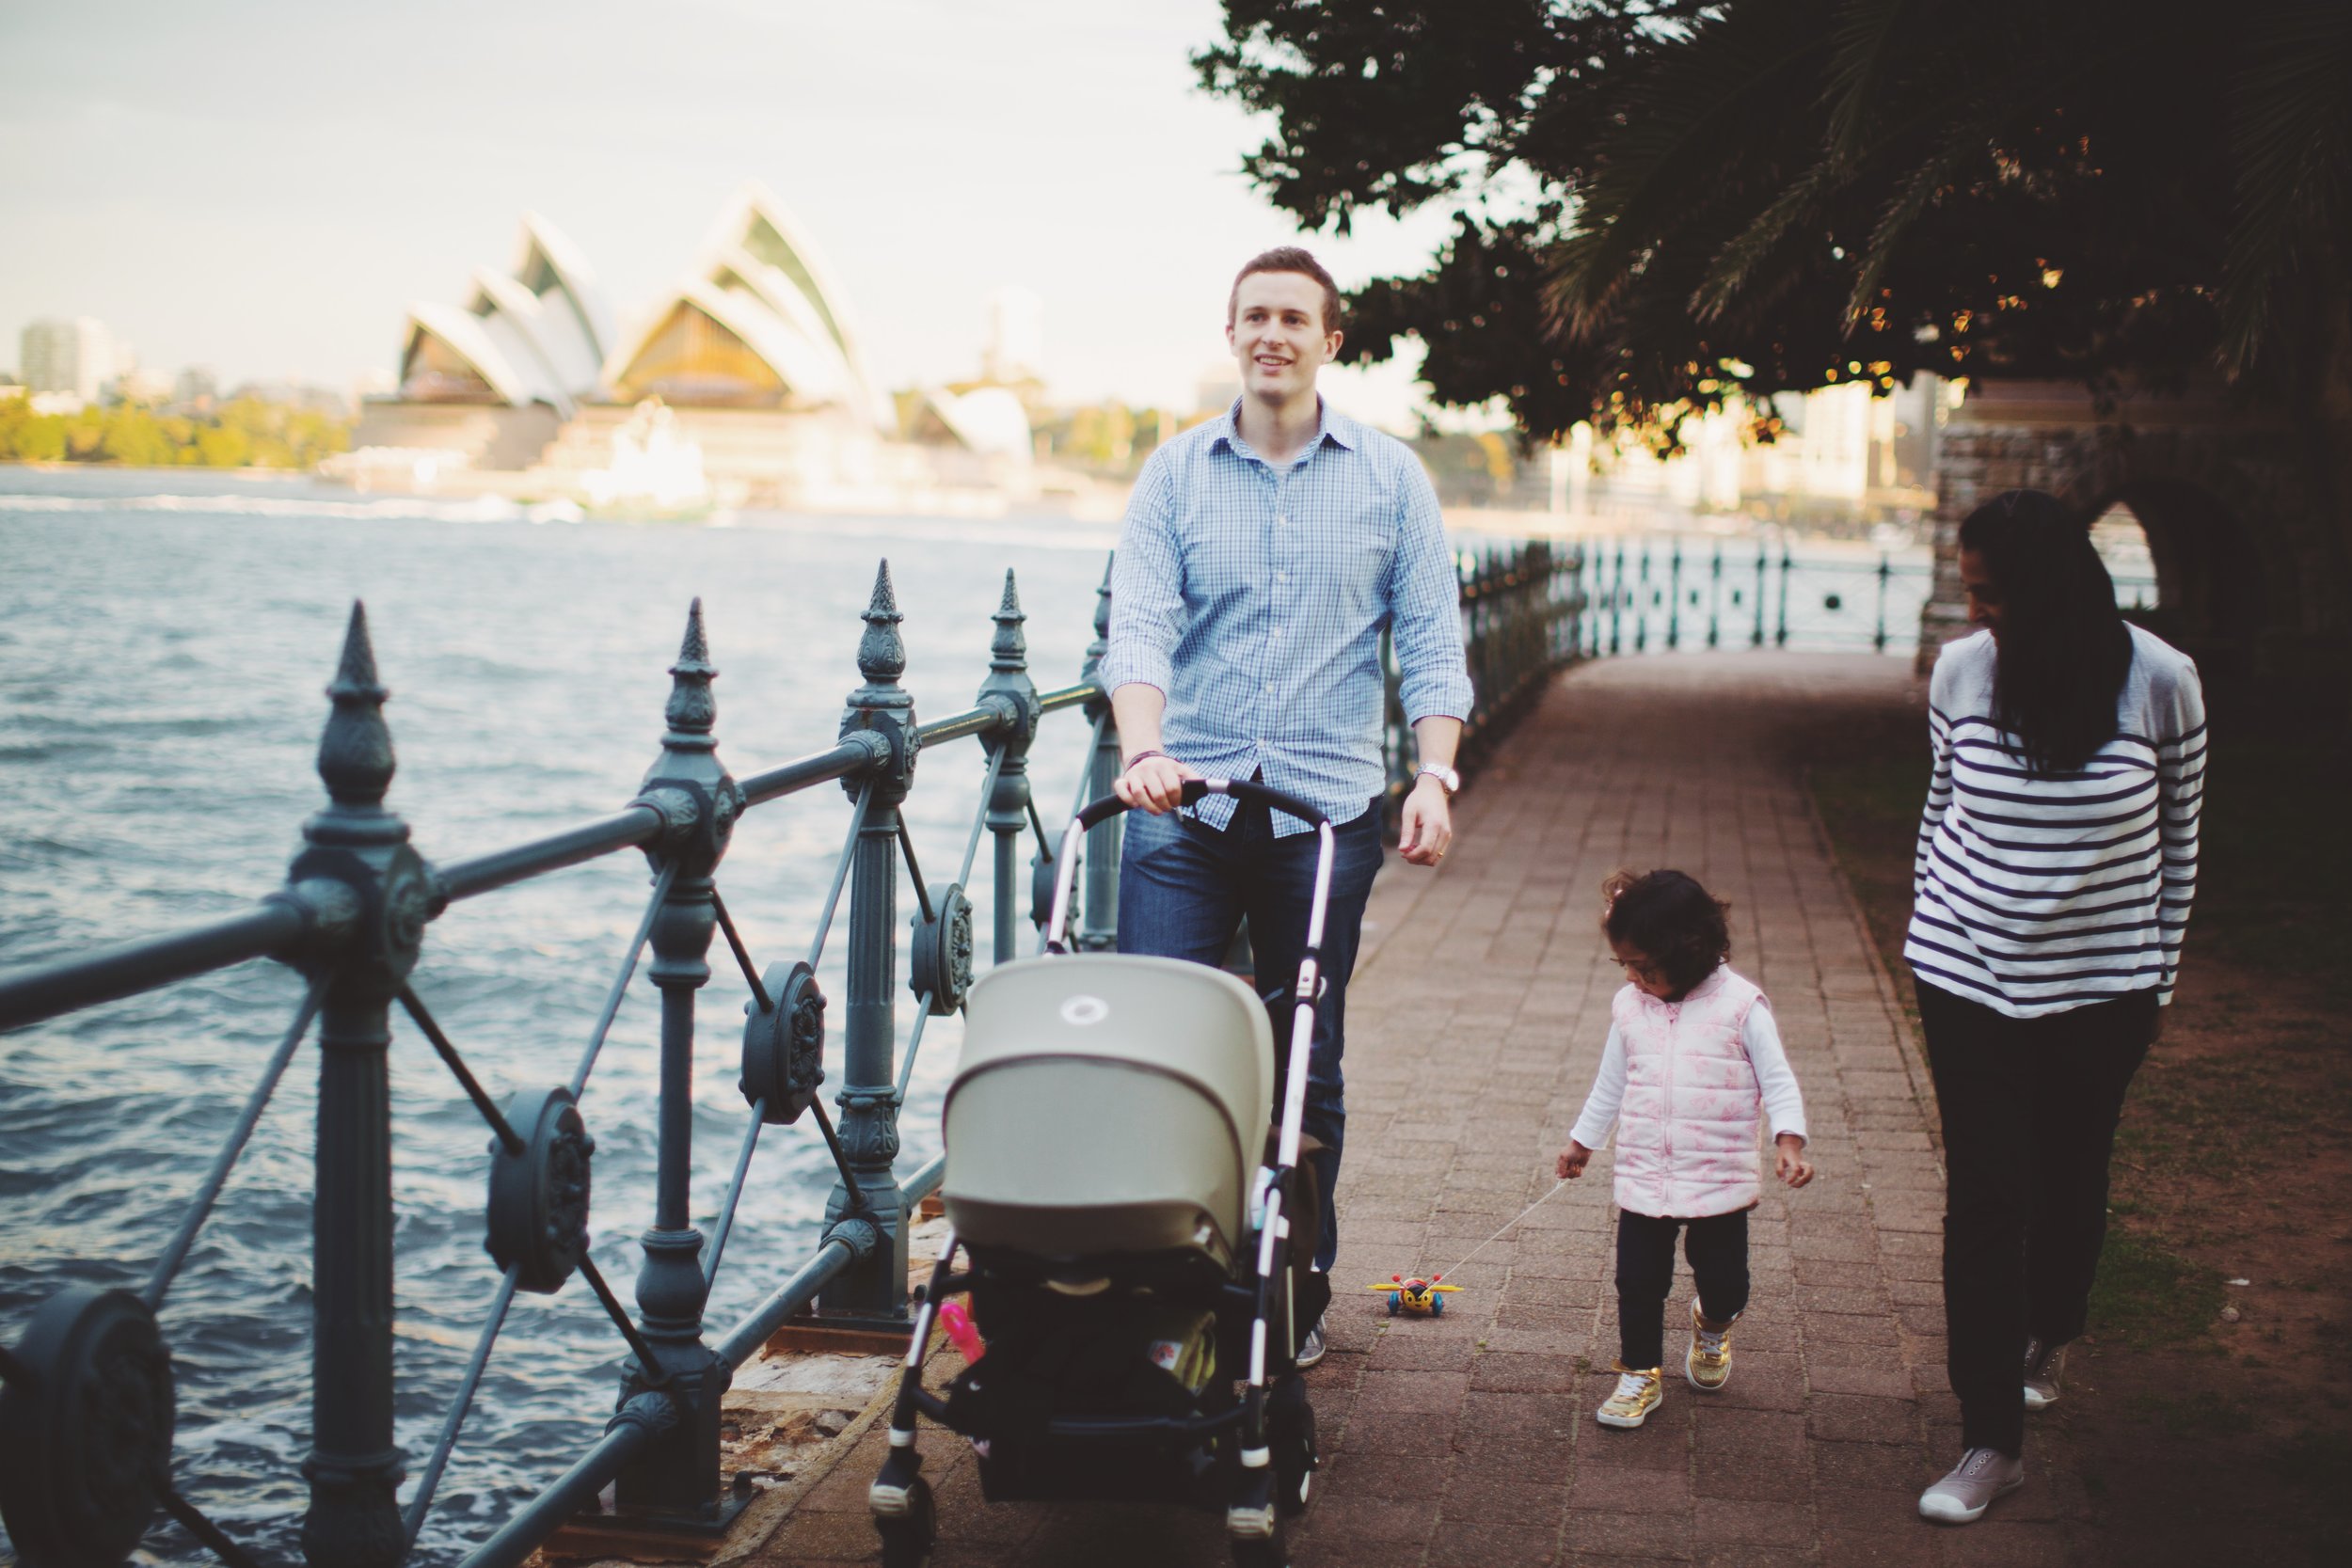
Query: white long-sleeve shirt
x=1784, y=1102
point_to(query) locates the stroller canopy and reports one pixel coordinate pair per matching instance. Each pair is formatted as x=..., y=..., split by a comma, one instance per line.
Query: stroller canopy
x=1108, y=1104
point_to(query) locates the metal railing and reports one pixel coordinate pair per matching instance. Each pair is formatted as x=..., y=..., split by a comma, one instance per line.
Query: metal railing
x=1657, y=592
x=1524, y=615
x=85, y=1413
x=87, y=1410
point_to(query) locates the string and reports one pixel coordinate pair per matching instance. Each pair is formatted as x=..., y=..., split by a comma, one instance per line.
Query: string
x=1498, y=1235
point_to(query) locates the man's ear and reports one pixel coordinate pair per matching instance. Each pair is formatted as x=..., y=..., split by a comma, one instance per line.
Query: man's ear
x=1331, y=341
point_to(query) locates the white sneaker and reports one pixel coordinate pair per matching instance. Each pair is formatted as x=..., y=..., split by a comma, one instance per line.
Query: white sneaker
x=2045, y=1365
x=1962, y=1496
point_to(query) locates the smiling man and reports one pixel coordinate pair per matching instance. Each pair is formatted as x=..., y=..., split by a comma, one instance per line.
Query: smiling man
x=1263, y=553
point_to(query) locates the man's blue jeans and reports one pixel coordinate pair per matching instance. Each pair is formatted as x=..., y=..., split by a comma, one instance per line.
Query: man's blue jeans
x=1183, y=890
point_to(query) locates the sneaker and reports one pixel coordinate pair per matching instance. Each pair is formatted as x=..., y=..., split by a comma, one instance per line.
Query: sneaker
x=1637, y=1395
x=1311, y=1349
x=1981, y=1475
x=2044, y=1363
x=1708, y=1363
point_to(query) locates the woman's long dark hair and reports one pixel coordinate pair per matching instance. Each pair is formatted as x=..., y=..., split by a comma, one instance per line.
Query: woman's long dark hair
x=2063, y=649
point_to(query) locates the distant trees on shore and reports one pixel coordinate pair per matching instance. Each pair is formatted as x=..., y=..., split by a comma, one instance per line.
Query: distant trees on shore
x=243, y=432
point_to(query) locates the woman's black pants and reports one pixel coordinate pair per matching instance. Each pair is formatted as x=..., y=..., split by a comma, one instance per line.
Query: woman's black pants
x=2029, y=1111
x=1717, y=1247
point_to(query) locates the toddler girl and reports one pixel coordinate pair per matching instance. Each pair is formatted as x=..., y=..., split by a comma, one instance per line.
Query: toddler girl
x=1692, y=1049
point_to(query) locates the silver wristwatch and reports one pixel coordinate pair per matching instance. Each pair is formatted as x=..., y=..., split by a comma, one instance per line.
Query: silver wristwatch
x=1445, y=776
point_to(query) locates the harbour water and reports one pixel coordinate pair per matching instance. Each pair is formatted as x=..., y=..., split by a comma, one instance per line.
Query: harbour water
x=163, y=643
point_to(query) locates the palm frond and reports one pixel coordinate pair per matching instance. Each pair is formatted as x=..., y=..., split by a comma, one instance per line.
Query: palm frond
x=2291, y=137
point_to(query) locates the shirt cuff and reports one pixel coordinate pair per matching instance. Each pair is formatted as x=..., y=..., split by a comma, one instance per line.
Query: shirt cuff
x=1129, y=666
x=1437, y=698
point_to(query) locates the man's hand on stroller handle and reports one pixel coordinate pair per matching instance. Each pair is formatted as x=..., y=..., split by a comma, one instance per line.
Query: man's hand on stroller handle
x=1153, y=781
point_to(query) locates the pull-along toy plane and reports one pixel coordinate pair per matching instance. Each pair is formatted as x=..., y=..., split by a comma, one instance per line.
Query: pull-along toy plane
x=1414, y=1298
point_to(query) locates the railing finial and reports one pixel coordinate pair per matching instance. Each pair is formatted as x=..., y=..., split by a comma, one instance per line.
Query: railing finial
x=692, y=711
x=882, y=653
x=1010, y=650
x=356, y=751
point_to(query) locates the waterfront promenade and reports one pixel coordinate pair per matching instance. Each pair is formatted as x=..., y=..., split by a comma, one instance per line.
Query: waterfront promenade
x=1475, y=1024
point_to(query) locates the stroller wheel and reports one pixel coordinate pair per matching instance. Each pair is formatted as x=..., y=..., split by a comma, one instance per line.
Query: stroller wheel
x=1262, y=1554
x=906, y=1539
x=1291, y=1427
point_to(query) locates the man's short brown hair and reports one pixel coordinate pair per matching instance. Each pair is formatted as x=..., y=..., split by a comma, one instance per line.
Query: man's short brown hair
x=1288, y=258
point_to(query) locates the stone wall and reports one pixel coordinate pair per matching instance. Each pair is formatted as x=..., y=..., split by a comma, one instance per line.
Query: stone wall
x=2250, y=572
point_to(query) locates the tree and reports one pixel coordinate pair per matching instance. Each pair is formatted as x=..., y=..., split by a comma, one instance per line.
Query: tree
x=1668, y=203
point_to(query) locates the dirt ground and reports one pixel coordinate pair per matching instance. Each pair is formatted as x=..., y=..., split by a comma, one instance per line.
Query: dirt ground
x=2211, y=1403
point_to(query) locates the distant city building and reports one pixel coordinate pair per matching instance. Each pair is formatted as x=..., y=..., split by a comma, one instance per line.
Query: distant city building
x=197, y=385
x=1015, y=347
x=144, y=386
x=76, y=357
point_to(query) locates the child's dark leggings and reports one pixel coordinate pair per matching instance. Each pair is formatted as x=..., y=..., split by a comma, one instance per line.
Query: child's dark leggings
x=1717, y=1247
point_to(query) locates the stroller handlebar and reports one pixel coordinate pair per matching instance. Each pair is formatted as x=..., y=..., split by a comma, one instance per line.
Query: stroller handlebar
x=1195, y=790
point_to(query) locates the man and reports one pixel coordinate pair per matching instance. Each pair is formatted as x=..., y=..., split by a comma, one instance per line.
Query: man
x=1264, y=551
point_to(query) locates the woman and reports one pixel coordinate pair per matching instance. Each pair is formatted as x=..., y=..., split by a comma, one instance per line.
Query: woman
x=2055, y=863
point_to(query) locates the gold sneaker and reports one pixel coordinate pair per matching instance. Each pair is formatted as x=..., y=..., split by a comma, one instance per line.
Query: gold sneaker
x=1637, y=1395
x=1708, y=1363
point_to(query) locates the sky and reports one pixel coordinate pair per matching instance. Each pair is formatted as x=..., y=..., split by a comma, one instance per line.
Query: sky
x=263, y=187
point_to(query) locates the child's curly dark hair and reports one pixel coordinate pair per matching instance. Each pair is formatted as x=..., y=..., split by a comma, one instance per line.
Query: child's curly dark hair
x=1670, y=920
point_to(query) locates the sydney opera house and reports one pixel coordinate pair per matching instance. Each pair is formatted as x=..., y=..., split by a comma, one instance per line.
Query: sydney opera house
x=753, y=354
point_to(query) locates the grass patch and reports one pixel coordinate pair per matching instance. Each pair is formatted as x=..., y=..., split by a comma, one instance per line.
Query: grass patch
x=2259, y=1106
x=2276, y=851
x=2147, y=1295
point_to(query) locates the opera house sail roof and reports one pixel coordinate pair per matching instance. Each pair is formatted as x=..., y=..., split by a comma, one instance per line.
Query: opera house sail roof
x=537, y=333
x=759, y=322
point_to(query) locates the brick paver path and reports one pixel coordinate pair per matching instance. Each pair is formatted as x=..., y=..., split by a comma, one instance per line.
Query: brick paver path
x=1475, y=1025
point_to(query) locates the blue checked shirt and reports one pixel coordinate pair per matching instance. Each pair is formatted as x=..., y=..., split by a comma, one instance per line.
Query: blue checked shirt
x=1254, y=599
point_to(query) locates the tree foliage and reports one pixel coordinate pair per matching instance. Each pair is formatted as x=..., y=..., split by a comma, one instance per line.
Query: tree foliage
x=245, y=433
x=1665, y=203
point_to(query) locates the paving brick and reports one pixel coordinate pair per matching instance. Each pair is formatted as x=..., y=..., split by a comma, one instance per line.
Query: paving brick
x=1645, y=1536
x=1482, y=998
x=1727, y=1522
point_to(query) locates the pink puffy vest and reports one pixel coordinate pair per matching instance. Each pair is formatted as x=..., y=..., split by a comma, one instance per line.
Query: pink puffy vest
x=1686, y=1133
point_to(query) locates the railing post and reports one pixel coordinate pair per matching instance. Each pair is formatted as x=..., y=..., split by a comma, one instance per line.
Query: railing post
x=1641, y=606
x=1674, y=595
x=1008, y=800
x=1098, y=910
x=1616, y=602
x=1762, y=562
x=1715, y=597
x=876, y=1284
x=353, y=1468
x=1878, y=637
x=676, y=1476
x=1780, y=638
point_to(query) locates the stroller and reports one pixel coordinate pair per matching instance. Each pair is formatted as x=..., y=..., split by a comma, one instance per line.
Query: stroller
x=1135, y=1243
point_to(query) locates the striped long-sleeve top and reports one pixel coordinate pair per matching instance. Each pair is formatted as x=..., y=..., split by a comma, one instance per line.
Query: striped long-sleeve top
x=2037, y=894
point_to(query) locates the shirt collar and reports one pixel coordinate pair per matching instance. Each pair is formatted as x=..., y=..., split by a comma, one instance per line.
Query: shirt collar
x=1331, y=426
